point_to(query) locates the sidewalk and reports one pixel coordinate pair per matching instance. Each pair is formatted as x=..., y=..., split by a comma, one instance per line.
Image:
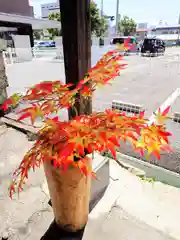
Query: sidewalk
x=130, y=209
x=32, y=73
x=134, y=209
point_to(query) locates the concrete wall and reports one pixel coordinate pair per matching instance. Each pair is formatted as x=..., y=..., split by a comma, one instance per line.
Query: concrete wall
x=22, y=47
x=20, y=7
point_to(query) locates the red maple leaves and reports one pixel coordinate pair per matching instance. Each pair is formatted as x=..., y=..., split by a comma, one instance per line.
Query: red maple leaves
x=62, y=142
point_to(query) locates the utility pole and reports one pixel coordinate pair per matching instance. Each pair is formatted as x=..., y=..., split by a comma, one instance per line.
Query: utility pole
x=76, y=35
x=179, y=19
x=178, y=43
x=102, y=7
x=117, y=17
x=3, y=78
x=101, y=40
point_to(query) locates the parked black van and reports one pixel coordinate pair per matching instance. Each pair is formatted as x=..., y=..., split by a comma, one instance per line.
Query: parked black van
x=153, y=46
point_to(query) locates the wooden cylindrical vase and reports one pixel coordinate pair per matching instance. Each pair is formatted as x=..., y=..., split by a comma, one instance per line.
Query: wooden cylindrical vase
x=70, y=195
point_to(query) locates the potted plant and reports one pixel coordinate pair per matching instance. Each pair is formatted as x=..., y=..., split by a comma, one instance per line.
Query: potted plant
x=63, y=146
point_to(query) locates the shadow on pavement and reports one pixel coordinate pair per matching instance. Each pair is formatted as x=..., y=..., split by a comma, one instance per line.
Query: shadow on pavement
x=56, y=233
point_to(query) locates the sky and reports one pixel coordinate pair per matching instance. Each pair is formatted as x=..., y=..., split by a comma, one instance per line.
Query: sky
x=139, y=10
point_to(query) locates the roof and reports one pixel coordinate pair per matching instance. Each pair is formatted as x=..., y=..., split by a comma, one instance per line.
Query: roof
x=168, y=27
x=143, y=29
x=35, y=22
x=125, y=37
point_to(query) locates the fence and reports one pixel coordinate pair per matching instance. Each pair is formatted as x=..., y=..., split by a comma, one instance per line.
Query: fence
x=12, y=55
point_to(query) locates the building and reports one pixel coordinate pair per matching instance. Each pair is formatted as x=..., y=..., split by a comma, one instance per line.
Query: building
x=20, y=7
x=142, y=33
x=19, y=14
x=142, y=25
x=170, y=34
x=173, y=29
x=49, y=8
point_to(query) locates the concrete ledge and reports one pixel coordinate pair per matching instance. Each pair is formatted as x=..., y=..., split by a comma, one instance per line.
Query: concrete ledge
x=134, y=170
x=129, y=167
x=19, y=126
x=135, y=209
x=160, y=174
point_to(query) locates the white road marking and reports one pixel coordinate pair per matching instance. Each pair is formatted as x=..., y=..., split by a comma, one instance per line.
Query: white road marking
x=169, y=101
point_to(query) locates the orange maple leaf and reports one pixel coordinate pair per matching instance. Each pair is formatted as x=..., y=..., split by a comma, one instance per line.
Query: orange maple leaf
x=161, y=117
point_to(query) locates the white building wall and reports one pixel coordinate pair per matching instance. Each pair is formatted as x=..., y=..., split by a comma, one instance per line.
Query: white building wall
x=160, y=32
x=48, y=8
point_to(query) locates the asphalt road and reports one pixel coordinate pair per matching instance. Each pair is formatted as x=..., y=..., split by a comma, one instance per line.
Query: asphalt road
x=146, y=81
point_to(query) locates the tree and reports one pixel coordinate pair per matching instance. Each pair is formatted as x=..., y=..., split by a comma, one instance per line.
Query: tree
x=99, y=25
x=54, y=31
x=37, y=34
x=127, y=26
x=102, y=28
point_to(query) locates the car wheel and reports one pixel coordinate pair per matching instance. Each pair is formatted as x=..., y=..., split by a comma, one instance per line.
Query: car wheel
x=155, y=53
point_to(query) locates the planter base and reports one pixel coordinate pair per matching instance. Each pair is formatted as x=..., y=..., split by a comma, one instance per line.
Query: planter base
x=54, y=232
x=101, y=168
x=94, y=201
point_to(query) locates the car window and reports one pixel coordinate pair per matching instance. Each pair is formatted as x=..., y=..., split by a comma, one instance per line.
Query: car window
x=118, y=40
x=148, y=42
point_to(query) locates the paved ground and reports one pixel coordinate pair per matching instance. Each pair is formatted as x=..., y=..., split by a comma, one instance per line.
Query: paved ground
x=140, y=212
x=147, y=81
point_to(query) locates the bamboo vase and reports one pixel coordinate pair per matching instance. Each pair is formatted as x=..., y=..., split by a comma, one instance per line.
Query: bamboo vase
x=70, y=195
